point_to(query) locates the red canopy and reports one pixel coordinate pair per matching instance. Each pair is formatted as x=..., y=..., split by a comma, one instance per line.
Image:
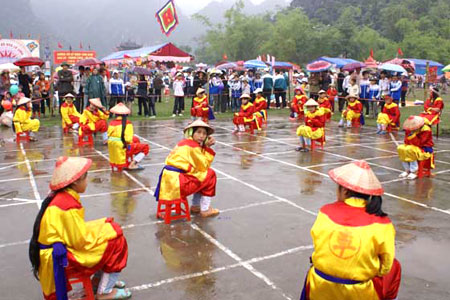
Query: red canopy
x=29, y=61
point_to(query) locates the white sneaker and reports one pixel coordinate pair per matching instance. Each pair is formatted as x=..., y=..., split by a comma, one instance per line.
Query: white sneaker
x=174, y=115
x=403, y=175
x=152, y=117
x=411, y=176
x=180, y=115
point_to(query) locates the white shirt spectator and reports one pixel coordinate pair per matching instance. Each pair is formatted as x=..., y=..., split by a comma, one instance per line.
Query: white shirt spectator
x=178, y=88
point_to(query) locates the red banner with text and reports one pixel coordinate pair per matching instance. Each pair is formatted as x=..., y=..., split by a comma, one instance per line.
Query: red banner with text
x=71, y=57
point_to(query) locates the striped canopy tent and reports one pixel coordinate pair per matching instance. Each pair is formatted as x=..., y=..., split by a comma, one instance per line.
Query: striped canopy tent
x=167, y=52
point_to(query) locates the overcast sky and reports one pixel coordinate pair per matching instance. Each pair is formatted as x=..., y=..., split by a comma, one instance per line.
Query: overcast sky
x=192, y=6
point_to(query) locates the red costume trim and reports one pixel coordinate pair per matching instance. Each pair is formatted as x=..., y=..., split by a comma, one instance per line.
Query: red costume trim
x=65, y=201
x=343, y=214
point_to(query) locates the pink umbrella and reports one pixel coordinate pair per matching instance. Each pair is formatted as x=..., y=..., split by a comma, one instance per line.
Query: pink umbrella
x=353, y=66
x=318, y=66
x=88, y=62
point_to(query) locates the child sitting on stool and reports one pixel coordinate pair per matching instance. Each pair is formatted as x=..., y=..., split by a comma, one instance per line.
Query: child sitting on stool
x=353, y=111
x=389, y=116
x=418, y=146
x=314, y=125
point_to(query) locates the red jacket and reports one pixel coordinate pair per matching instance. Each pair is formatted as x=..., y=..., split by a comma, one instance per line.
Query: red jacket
x=315, y=120
x=421, y=139
x=393, y=112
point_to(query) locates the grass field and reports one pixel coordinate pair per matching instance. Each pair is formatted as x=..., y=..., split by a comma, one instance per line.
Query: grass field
x=164, y=112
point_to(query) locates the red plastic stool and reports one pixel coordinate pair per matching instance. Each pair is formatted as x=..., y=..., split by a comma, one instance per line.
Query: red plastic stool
x=66, y=130
x=165, y=209
x=424, y=168
x=87, y=286
x=320, y=142
x=23, y=136
x=82, y=142
x=356, y=123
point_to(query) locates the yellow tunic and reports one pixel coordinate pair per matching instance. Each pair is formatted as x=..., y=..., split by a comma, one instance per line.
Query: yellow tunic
x=307, y=131
x=350, y=244
x=23, y=122
x=63, y=221
x=89, y=118
x=189, y=157
x=66, y=111
x=117, y=153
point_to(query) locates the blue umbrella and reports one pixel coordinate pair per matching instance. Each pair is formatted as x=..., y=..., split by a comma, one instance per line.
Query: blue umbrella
x=254, y=63
x=392, y=68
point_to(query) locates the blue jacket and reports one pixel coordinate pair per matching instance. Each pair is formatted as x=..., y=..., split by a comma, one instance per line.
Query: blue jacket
x=257, y=83
x=235, y=86
x=374, y=92
x=116, y=87
x=396, y=89
x=267, y=82
x=280, y=83
x=364, y=89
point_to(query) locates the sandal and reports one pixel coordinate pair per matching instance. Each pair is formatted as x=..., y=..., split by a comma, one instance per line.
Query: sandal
x=211, y=212
x=138, y=168
x=120, y=284
x=119, y=294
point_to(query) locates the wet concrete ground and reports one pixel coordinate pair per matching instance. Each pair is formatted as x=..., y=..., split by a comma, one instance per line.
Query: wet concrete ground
x=259, y=246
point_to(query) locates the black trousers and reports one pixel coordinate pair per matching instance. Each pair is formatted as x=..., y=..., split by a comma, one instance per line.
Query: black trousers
x=177, y=105
x=158, y=95
x=267, y=94
x=403, y=98
x=113, y=100
x=278, y=94
x=143, y=103
x=151, y=105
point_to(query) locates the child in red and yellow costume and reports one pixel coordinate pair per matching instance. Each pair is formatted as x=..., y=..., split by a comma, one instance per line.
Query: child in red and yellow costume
x=69, y=114
x=122, y=144
x=354, y=242
x=314, y=125
x=297, y=103
x=94, y=119
x=433, y=107
x=352, y=112
x=389, y=116
x=64, y=244
x=200, y=106
x=260, y=104
x=324, y=104
x=332, y=92
x=245, y=116
x=188, y=170
x=7, y=105
x=22, y=119
x=418, y=146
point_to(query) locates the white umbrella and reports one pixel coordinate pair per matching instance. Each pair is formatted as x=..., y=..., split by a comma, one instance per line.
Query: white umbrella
x=10, y=67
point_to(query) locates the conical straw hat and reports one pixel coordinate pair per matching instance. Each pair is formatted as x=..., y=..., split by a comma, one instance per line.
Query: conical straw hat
x=199, y=91
x=96, y=102
x=200, y=123
x=358, y=177
x=69, y=95
x=120, y=109
x=247, y=96
x=23, y=100
x=67, y=170
x=413, y=123
x=311, y=102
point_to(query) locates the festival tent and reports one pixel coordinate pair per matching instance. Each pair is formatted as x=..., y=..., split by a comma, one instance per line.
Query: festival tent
x=339, y=62
x=163, y=53
x=421, y=65
x=371, y=63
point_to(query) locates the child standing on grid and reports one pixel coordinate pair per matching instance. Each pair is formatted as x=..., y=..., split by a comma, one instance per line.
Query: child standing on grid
x=178, y=91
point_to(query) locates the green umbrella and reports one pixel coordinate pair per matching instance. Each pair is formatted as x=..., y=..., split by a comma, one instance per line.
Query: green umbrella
x=446, y=69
